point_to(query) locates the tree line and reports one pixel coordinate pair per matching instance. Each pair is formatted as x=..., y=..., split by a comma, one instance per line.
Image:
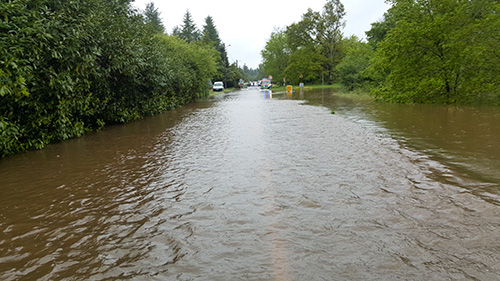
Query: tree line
x=422, y=51
x=69, y=67
x=229, y=73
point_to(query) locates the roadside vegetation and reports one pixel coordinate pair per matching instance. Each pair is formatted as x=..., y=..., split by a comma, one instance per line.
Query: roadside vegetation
x=69, y=67
x=422, y=51
x=282, y=88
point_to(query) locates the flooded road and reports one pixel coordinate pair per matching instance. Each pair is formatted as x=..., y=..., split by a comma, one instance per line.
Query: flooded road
x=248, y=187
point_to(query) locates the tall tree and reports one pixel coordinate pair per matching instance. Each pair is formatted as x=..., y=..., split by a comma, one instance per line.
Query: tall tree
x=304, y=33
x=210, y=36
x=379, y=30
x=305, y=65
x=330, y=28
x=210, y=33
x=306, y=61
x=152, y=18
x=276, y=55
x=321, y=32
x=189, y=31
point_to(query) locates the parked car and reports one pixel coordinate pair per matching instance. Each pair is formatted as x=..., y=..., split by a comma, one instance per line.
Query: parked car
x=218, y=86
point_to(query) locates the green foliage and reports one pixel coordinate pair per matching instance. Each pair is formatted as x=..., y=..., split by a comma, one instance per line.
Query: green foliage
x=423, y=51
x=232, y=75
x=306, y=65
x=309, y=49
x=439, y=51
x=189, y=31
x=42, y=54
x=276, y=55
x=379, y=30
x=211, y=38
x=67, y=67
x=321, y=32
x=210, y=33
x=192, y=66
x=251, y=74
x=357, y=60
x=330, y=35
x=152, y=18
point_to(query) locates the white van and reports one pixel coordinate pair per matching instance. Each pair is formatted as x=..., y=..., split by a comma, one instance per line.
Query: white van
x=218, y=86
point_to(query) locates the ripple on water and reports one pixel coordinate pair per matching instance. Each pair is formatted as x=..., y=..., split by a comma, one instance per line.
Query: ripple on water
x=245, y=187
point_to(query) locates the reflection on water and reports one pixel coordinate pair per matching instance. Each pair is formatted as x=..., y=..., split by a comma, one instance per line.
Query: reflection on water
x=242, y=186
x=463, y=137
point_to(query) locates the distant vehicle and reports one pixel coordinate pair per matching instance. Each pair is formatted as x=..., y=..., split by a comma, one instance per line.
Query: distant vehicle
x=218, y=86
x=265, y=83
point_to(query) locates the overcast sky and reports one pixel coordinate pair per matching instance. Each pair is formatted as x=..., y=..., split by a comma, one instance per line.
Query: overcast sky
x=247, y=25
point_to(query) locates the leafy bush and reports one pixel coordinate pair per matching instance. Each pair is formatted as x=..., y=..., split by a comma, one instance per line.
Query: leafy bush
x=439, y=52
x=67, y=67
x=351, y=69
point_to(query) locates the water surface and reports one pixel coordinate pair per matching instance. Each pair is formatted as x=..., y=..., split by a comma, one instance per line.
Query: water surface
x=253, y=186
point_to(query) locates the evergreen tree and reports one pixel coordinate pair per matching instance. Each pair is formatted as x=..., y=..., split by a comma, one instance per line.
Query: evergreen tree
x=223, y=64
x=210, y=33
x=176, y=31
x=211, y=38
x=189, y=31
x=152, y=18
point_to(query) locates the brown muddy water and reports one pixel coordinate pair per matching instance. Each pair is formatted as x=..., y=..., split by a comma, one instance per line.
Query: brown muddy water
x=249, y=186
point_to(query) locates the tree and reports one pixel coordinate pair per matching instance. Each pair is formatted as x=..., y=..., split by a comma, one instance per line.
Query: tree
x=304, y=33
x=306, y=60
x=357, y=60
x=189, y=31
x=305, y=65
x=223, y=64
x=440, y=51
x=210, y=33
x=330, y=28
x=321, y=32
x=211, y=38
x=176, y=31
x=276, y=55
x=152, y=18
x=379, y=30
x=233, y=75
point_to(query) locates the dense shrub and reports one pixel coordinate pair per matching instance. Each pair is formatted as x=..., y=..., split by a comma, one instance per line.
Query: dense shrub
x=67, y=67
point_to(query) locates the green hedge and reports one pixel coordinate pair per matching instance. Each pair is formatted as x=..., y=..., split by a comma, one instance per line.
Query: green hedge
x=68, y=67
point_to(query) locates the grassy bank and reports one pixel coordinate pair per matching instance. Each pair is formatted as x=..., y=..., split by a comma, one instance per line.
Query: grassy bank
x=226, y=90
x=335, y=89
x=307, y=87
